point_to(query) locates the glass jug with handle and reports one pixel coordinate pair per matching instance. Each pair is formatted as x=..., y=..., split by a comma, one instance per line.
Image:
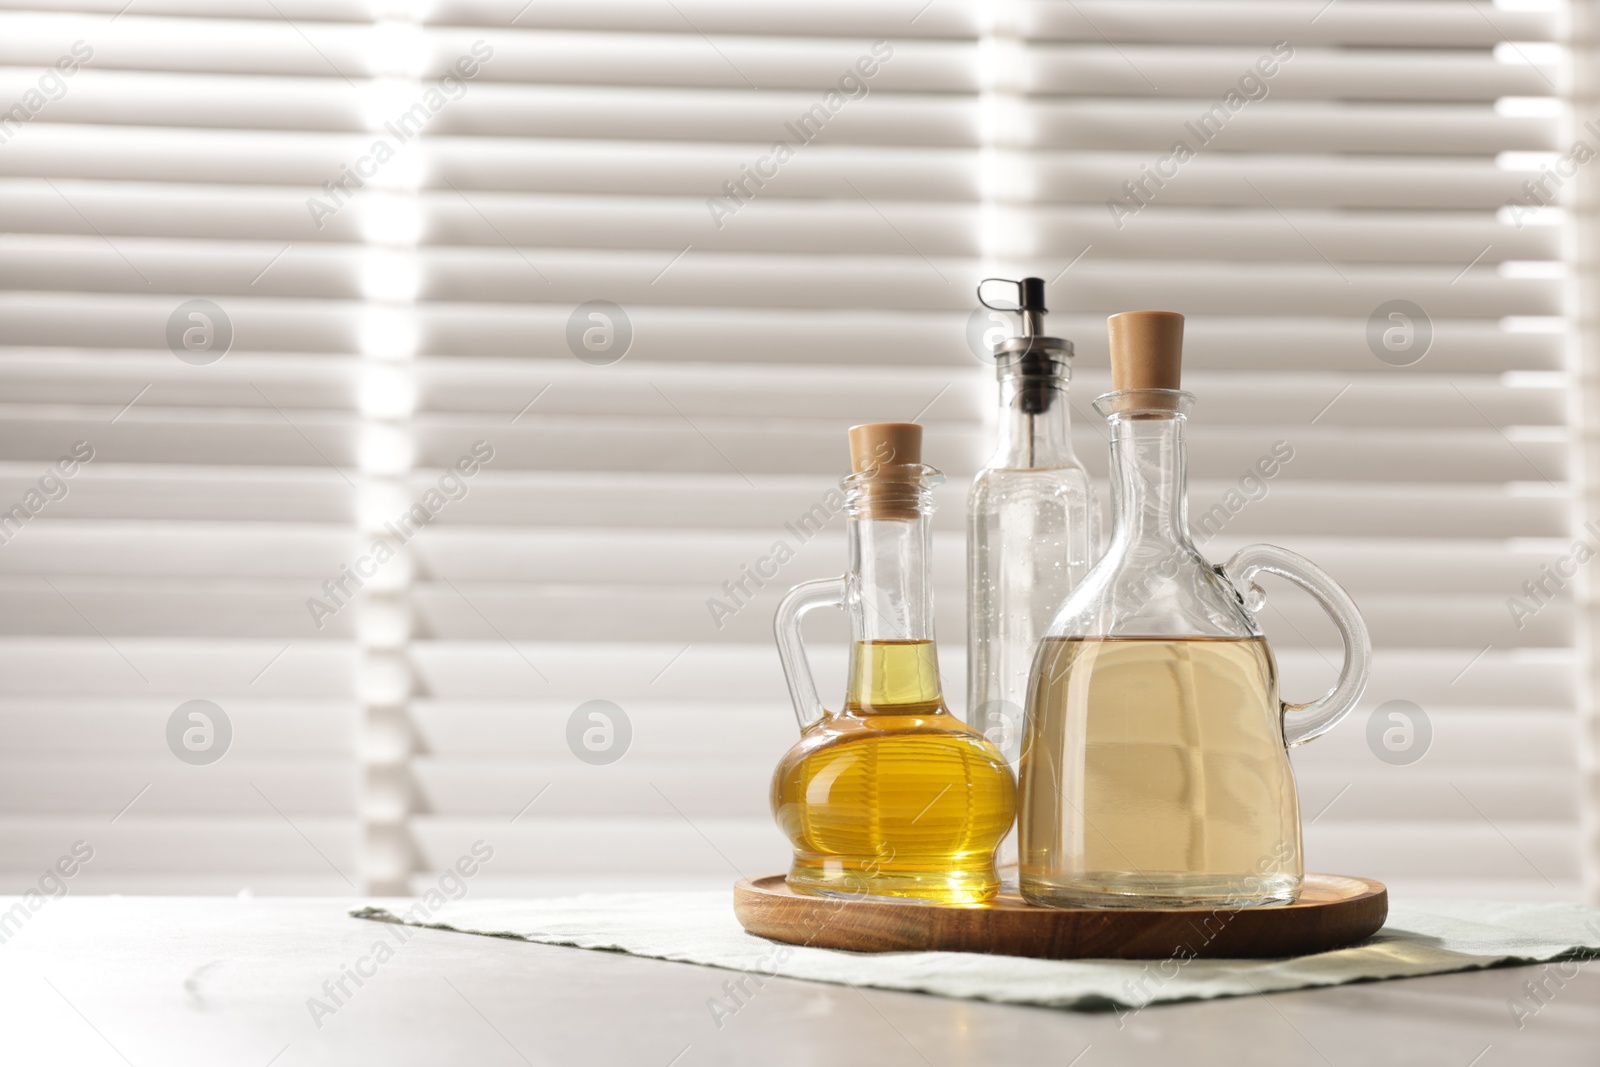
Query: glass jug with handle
x=891, y=795
x=1155, y=770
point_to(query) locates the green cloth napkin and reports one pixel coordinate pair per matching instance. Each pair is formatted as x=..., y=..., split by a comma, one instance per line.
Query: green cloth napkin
x=1421, y=937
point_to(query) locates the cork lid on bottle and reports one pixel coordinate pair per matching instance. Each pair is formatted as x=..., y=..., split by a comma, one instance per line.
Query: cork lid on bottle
x=889, y=457
x=885, y=444
x=1146, y=350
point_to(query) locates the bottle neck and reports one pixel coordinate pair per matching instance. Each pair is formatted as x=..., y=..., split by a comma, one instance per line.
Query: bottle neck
x=1149, y=482
x=893, y=667
x=1035, y=423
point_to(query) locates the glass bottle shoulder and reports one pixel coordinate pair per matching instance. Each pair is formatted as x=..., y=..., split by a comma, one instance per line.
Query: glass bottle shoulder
x=1069, y=483
x=1175, y=592
x=947, y=741
x=852, y=727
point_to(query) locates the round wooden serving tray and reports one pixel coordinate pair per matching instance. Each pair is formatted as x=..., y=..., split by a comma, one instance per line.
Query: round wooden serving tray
x=1333, y=911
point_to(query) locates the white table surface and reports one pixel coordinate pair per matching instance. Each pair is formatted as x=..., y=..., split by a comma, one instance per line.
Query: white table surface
x=220, y=981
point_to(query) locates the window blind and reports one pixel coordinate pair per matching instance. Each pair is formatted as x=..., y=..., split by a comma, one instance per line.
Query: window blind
x=547, y=276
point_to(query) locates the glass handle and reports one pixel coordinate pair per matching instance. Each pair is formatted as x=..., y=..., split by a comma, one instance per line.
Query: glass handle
x=820, y=593
x=1302, y=722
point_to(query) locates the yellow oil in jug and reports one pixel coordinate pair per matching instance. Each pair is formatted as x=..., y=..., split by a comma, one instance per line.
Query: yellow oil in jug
x=893, y=795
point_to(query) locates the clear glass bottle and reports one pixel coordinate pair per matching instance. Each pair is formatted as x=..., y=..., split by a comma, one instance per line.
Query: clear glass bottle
x=891, y=795
x=1032, y=524
x=1155, y=770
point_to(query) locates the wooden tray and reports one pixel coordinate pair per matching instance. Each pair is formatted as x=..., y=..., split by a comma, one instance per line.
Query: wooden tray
x=1333, y=911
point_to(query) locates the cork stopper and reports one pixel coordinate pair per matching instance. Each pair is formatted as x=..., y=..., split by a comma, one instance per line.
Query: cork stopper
x=1146, y=349
x=892, y=453
x=884, y=444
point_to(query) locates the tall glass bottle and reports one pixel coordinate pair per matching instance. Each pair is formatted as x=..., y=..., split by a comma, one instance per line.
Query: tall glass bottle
x=1155, y=771
x=1032, y=524
x=891, y=795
